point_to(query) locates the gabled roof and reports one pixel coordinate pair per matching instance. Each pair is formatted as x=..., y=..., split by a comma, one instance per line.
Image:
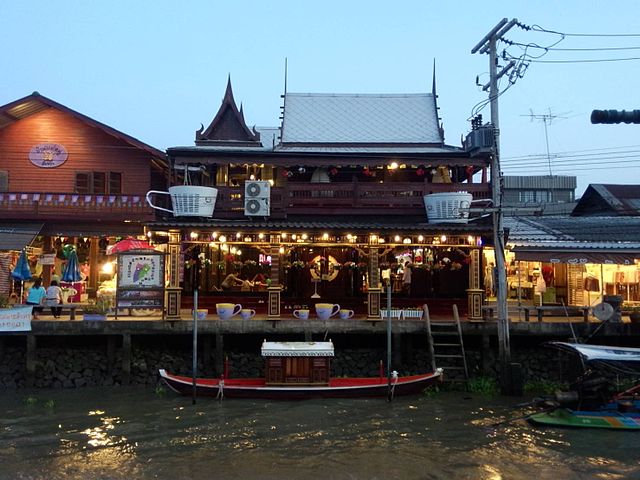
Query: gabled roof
x=371, y=119
x=601, y=199
x=35, y=103
x=228, y=127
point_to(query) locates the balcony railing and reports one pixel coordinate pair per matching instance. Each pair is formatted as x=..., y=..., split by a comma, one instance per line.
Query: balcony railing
x=345, y=198
x=29, y=205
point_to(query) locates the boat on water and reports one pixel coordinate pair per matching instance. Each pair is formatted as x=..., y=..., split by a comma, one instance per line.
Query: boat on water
x=300, y=370
x=590, y=403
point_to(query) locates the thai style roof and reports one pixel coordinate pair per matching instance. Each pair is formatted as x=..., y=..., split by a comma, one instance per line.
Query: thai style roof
x=606, y=199
x=297, y=349
x=35, y=103
x=369, y=119
x=228, y=127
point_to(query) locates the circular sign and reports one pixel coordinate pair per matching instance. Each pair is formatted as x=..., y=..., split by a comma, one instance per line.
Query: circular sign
x=48, y=155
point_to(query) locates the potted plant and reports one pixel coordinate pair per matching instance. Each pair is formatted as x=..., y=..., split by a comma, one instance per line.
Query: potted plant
x=634, y=314
x=97, y=310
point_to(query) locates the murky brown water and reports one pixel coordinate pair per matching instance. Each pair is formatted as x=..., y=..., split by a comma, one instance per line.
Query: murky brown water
x=134, y=433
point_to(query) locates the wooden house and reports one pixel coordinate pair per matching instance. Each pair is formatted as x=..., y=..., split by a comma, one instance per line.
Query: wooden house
x=71, y=179
x=331, y=204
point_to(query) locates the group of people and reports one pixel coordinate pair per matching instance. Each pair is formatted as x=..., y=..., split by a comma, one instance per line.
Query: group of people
x=41, y=297
x=233, y=280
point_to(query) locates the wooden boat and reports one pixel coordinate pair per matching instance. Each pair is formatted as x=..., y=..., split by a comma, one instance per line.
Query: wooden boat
x=590, y=404
x=300, y=370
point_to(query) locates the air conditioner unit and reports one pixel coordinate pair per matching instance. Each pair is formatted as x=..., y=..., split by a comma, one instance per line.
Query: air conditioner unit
x=257, y=198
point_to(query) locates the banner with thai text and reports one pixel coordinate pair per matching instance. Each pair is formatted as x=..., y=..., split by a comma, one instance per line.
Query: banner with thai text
x=16, y=319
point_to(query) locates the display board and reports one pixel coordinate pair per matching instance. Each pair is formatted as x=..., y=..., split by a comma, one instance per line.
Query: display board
x=140, y=280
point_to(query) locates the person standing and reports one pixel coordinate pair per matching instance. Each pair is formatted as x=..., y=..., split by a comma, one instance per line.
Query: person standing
x=54, y=298
x=36, y=296
x=406, y=279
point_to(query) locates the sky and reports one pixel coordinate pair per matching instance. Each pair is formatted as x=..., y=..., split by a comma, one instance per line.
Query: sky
x=156, y=70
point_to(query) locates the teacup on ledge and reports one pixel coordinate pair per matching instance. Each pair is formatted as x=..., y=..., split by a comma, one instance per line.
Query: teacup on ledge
x=302, y=314
x=227, y=310
x=247, y=313
x=326, y=310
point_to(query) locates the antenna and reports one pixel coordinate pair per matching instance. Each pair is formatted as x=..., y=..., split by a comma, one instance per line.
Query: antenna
x=285, y=75
x=546, y=120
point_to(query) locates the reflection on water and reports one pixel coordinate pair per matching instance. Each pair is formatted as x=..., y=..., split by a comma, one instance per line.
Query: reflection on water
x=134, y=433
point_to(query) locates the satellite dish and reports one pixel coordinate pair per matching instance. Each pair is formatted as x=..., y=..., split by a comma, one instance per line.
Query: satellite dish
x=603, y=311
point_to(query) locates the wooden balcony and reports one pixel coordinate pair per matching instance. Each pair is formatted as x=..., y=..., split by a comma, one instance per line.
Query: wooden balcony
x=345, y=198
x=44, y=206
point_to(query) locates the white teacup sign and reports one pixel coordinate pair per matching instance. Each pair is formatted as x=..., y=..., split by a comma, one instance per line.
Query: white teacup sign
x=227, y=310
x=326, y=310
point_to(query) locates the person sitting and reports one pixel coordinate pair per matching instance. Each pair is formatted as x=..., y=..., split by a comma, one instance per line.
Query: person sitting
x=54, y=298
x=36, y=296
x=230, y=281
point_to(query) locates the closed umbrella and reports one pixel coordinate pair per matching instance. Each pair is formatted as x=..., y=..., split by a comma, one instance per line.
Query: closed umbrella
x=71, y=271
x=22, y=271
x=129, y=244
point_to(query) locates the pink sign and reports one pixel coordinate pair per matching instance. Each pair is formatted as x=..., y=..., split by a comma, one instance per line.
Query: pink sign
x=48, y=155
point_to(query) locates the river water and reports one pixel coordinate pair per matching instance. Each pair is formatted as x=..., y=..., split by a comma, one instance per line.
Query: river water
x=138, y=433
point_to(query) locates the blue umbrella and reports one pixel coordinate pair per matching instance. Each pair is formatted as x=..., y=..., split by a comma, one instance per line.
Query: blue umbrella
x=71, y=271
x=22, y=271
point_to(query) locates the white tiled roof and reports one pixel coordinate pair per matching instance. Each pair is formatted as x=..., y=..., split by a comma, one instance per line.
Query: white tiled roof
x=360, y=118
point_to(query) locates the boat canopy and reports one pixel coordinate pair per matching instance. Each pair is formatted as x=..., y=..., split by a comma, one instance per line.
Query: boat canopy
x=601, y=352
x=297, y=349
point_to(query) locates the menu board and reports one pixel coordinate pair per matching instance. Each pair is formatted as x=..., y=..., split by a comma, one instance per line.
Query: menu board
x=140, y=280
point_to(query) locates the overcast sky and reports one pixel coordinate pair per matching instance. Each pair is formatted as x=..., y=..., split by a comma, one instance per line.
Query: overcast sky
x=157, y=69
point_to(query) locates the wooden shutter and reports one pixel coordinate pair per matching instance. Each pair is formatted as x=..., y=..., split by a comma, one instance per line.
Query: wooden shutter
x=83, y=182
x=115, y=183
x=99, y=183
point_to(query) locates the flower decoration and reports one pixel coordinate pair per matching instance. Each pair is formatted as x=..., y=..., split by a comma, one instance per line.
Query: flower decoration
x=420, y=172
x=287, y=173
x=333, y=171
x=367, y=172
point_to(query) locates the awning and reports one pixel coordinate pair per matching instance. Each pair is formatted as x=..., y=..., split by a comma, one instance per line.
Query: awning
x=297, y=349
x=577, y=257
x=16, y=236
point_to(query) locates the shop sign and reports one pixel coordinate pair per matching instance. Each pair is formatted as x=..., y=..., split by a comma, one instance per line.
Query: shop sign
x=15, y=319
x=48, y=155
x=47, y=259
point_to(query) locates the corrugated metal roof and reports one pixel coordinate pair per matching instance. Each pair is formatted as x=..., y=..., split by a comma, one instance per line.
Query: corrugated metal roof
x=352, y=149
x=616, y=233
x=360, y=118
x=16, y=235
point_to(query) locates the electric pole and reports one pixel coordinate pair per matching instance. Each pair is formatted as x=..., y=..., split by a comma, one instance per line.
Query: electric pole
x=488, y=44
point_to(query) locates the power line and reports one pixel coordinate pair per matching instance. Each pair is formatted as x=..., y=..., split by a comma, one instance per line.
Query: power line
x=594, y=60
x=539, y=29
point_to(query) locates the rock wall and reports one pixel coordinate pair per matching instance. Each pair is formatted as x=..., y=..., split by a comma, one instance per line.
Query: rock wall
x=60, y=366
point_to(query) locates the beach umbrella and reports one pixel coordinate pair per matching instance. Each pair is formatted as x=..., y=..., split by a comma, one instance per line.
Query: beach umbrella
x=129, y=244
x=22, y=271
x=71, y=271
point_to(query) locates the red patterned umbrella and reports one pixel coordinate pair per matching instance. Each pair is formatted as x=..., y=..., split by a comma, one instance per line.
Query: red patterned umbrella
x=129, y=244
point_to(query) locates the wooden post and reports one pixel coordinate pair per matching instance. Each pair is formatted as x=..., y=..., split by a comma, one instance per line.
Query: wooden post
x=31, y=360
x=111, y=352
x=94, y=268
x=173, y=291
x=219, y=354
x=206, y=351
x=475, y=292
x=126, y=358
x=273, y=302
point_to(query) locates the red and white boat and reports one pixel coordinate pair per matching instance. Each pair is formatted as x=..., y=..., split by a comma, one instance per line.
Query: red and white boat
x=300, y=370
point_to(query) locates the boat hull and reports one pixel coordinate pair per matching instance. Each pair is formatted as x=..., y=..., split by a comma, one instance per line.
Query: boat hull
x=564, y=417
x=337, y=388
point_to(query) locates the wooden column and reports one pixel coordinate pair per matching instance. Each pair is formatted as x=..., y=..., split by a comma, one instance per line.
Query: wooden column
x=375, y=289
x=474, y=293
x=273, y=302
x=219, y=354
x=206, y=351
x=94, y=268
x=111, y=352
x=47, y=247
x=173, y=292
x=273, y=292
x=31, y=360
x=126, y=358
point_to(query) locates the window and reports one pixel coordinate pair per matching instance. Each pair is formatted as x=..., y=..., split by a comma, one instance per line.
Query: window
x=98, y=183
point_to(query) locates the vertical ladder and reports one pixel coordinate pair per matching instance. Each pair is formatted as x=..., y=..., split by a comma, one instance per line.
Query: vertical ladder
x=448, y=348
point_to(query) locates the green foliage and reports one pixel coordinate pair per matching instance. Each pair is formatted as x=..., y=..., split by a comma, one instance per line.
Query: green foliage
x=49, y=404
x=160, y=390
x=100, y=307
x=4, y=301
x=483, y=385
x=30, y=401
x=542, y=387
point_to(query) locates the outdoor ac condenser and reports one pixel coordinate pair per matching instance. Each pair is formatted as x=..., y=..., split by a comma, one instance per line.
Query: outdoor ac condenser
x=257, y=195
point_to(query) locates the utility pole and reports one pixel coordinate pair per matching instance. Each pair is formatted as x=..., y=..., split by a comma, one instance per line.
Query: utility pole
x=488, y=44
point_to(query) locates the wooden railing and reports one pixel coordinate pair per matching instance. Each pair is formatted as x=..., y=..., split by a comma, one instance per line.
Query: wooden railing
x=345, y=198
x=35, y=205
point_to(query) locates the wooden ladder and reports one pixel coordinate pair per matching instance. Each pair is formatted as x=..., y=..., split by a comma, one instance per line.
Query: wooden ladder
x=448, y=348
